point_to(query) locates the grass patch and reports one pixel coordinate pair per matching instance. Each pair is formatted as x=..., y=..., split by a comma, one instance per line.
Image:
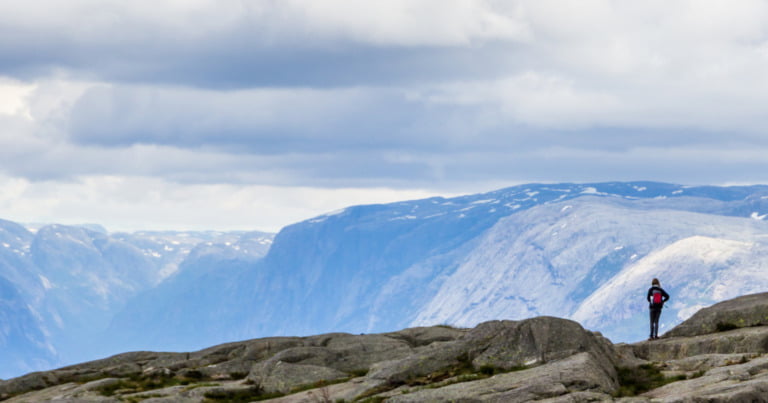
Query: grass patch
x=462, y=371
x=638, y=380
x=369, y=396
x=202, y=385
x=375, y=399
x=137, y=399
x=316, y=385
x=249, y=394
x=462, y=367
x=138, y=383
x=256, y=393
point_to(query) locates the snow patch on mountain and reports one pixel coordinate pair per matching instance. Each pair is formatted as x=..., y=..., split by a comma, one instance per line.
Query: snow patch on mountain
x=697, y=271
x=560, y=259
x=513, y=253
x=60, y=286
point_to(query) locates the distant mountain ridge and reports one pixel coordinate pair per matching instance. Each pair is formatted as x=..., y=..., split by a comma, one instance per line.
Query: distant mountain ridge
x=509, y=254
x=60, y=286
x=581, y=251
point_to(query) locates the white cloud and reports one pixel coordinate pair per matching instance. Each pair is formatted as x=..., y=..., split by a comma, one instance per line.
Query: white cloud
x=231, y=97
x=146, y=203
x=12, y=97
x=412, y=23
x=385, y=22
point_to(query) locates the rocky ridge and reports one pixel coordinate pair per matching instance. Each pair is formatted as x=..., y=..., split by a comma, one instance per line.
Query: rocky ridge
x=543, y=358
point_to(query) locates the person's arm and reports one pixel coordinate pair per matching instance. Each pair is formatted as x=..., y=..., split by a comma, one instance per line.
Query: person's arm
x=664, y=295
x=650, y=290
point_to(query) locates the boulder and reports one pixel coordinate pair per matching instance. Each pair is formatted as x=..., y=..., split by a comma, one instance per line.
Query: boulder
x=748, y=340
x=427, y=363
x=581, y=372
x=499, y=345
x=746, y=382
x=284, y=377
x=746, y=311
x=535, y=341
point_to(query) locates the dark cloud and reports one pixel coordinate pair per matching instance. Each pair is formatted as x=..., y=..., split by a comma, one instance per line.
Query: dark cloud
x=244, y=55
x=283, y=92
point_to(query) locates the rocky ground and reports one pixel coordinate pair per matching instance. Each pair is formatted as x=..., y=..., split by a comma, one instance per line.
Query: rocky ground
x=717, y=355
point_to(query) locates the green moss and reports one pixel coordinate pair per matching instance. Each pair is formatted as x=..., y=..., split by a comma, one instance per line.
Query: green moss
x=698, y=374
x=634, y=381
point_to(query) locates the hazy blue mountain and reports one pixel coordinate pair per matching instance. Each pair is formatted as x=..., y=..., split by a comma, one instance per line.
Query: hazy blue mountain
x=204, y=286
x=592, y=259
x=584, y=251
x=509, y=254
x=61, y=286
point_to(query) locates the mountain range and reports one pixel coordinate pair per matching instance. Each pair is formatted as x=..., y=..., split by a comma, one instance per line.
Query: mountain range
x=582, y=251
x=61, y=286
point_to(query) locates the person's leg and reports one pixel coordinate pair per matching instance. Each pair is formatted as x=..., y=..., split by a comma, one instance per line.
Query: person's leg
x=651, y=317
x=655, y=314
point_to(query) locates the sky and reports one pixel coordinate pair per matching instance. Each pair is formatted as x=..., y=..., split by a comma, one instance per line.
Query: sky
x=255, y=114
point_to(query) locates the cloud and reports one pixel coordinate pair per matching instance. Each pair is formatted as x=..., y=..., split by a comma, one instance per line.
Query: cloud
x=145, y=203
x=428, y=94
x=235, y=44
x=287, y=119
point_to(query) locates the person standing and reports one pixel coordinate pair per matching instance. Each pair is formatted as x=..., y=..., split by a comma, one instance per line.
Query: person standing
x=656, y=299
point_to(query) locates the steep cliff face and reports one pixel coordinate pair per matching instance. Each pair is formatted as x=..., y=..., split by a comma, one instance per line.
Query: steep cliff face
x=500, y=361
x=580, y=251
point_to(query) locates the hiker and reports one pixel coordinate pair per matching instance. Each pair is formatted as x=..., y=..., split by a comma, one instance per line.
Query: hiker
x=656, y=298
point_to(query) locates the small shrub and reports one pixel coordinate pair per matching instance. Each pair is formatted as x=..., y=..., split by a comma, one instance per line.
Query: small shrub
x=240, y=395
x=698, y=374
x=725, y=326
x=194, y=374
x=488, y=370
x=375, y=399
x=137, y=399
x=358, y=372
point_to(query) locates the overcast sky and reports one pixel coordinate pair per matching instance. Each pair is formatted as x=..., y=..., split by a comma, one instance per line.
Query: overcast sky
x=254, y=114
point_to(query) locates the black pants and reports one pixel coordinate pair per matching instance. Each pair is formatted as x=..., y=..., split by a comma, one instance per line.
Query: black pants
x=655, y=314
